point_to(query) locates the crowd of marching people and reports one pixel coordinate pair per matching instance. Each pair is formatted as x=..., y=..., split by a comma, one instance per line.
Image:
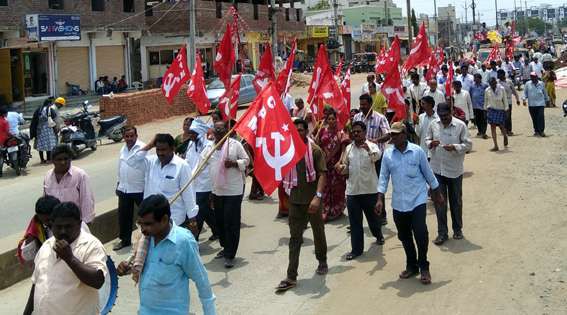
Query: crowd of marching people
x=180, y=183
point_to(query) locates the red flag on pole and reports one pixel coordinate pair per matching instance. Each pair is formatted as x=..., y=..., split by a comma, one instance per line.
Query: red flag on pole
x=266, y=72
x=224, y=60
x=420, y=51
x=394, y=93
x=283, y=81
x=321, y=66
x=390, y=60
x=434, y=64
x=175, y=76
x=268, y=128
x=494, y=53
x=196, y=91
x=228, y=103
x=343, y=113
x=339, y=69
x=330, y=93
x=449, y=82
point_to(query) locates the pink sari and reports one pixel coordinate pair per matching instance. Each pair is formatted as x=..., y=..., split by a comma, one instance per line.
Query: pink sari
x=332, y=142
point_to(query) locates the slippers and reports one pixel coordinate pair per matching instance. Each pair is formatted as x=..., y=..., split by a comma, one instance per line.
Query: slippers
x=408, y=273
x=322, y=269
x=351, y=256
x=425, y=277
x=286, y=285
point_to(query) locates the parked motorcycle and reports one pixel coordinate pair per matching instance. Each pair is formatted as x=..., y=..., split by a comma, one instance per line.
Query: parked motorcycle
x=79, y=132
x=16, y=152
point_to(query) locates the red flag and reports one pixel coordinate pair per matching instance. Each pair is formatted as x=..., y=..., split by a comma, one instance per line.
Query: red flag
x=266, y=72
x=196, y=90
x=329, y=93
x=420, y=51
x=434, y=64
x=391, y=59
x=394, y=93
x=175, y=76
x=343, y=113
x=228, y=103
x=268, y=128
x=339, y=69
x=224, y=60
x=284, y=77
x=494, y=53
x=321, y=66
x=510, y=49
x=449, y=82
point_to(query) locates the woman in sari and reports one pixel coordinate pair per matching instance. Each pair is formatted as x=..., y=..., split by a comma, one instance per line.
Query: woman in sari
x=549, y=79
x=333, y=141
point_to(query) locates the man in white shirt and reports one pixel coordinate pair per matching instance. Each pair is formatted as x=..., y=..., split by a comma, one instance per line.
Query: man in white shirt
x=70, y=267
x=466, y=79
x=435, y=93
x=228, y=172
x=14, y=119
x=362, y=188
x=416, y=91
x=425, y=119
x=462, y=100
x=130, y=188
x=448, y=140
x=369, y=79
x=484, y=74
x=537, y=67
x=166, y=174
x=508, y=86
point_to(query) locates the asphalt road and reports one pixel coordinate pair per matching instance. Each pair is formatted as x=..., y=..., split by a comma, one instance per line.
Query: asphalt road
x=18, y=194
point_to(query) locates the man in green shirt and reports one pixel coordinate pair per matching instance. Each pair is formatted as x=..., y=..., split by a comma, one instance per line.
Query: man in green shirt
x=305, y=185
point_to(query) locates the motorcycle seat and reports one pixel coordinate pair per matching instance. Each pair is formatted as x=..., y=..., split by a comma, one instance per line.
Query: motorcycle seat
x=109, y=122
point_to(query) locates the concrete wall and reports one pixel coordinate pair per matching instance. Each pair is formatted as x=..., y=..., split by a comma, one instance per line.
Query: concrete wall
x=146, y=106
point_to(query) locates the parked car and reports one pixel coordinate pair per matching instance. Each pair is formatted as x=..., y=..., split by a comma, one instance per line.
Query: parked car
x=215, y=90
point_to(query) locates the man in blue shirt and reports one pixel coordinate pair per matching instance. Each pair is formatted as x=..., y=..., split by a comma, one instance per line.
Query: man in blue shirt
x=536, y=97
x=477, y=97
x=172, y=259
x=407, y=164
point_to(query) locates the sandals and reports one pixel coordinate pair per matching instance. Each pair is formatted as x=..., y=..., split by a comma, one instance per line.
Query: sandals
x=351, y=256
x=425, y=277
x=220, y=255
x=322, y=269
x=408, y=273
x=286, y=285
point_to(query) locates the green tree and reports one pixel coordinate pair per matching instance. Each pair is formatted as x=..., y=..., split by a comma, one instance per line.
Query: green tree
x=533, y=24
x=414, y=26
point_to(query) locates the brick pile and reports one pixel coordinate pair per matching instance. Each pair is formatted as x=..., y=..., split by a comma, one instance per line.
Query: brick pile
x=145, y=106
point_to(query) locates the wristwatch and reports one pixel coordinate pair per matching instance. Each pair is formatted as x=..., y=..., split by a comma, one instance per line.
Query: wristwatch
x=319, y=195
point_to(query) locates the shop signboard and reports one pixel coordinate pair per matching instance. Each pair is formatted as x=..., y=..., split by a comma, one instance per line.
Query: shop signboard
x=48, y=27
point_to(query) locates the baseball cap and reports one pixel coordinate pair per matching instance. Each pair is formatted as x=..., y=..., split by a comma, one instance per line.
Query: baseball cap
x=533, y=74
x=398, y=127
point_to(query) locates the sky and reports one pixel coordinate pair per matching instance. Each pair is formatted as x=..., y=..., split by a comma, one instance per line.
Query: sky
x=485, y=7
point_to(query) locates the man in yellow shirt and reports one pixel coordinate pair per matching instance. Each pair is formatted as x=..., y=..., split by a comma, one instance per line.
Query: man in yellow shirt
x=378, y=100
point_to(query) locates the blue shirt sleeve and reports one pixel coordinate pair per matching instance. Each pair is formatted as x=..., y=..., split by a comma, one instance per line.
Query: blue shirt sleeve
x=384, y=177
x=426, y=170
x=194, y=268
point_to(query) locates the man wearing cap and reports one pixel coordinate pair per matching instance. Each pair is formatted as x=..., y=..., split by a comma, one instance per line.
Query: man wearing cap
x=536, y=97
x=58, y=104
x=437, y=95
x=407, y=165
x=448, y=140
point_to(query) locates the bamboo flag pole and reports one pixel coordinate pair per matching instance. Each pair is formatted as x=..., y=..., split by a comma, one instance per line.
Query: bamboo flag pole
x=201, y=166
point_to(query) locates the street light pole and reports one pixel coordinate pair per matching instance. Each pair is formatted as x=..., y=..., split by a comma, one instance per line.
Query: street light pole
x=192, y=26
x=408, y=3
x=436, y=23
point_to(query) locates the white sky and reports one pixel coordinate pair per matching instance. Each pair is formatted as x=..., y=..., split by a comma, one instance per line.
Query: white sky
x=485, y=7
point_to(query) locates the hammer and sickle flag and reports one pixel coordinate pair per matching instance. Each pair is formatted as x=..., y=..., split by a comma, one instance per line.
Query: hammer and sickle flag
x=269, y=130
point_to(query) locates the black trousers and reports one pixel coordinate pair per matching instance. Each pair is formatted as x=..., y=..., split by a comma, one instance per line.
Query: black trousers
x=480, y=120
x=206, y=213
x=410, y=225
x=357, y=205
x=227, y=212
x=126, y=204
x=452, y=189
x=538, y=118
x=508, y=121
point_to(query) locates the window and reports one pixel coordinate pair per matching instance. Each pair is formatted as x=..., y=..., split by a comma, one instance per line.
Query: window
x=97, y=5
x=166, y=57
x=56, y=4
x=218, y=6
x=3, y=3
x=287, y=14
x=298, y=15
x=255, y=11
x=154, y=58
x=129, y=6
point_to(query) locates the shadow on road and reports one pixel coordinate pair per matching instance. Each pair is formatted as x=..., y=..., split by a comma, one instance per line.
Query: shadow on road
x=459, y=246
x=408, y=287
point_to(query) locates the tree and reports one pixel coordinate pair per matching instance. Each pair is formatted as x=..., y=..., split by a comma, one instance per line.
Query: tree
x=533, y=24
x=414, y=26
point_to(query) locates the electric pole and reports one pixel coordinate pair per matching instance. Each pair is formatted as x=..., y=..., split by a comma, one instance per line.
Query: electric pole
x=496, y=12
x=408, y=3
x=473, y=7
x=274, y=30
x=436, y=23
x=191, y=45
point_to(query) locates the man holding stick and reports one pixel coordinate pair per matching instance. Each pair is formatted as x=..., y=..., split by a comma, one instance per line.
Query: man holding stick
x=228, y=164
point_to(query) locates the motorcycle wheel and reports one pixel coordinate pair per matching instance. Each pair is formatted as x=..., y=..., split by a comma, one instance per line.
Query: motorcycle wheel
x=15, y=163
x=93, y=147
x=1, y=164
x=117, y=137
